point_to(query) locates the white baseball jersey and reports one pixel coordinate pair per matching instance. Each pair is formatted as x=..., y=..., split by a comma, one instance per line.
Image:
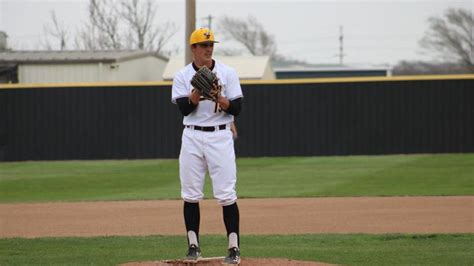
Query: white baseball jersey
x=205, y=114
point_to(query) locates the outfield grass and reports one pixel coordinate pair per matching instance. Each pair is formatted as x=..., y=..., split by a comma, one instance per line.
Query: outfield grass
x=393, y=175
x=455, y=249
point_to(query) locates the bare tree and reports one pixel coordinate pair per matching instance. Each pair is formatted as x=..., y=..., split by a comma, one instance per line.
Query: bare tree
x=118, y=24
x=139, y=16
x=101, y=30
x=57, y=30
x=429, y=68
x=161, y=36
x=254, y=39
x=103, y=16
x=451, y=36
x=3, y=41
x=129, y=24
x=87, y=38
x=249, y=33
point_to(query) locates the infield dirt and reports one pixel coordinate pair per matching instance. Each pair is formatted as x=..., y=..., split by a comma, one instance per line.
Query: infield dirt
x=258, y=216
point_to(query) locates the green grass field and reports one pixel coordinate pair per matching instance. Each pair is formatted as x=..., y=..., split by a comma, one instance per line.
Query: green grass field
x=395, y=175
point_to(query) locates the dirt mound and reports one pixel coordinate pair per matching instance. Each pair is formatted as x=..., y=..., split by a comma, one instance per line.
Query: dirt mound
x=218, y=262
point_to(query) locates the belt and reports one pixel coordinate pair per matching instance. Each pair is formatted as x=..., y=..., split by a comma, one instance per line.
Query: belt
x=207, y=129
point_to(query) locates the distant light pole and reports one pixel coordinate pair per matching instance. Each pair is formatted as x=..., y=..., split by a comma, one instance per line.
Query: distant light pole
x=341, y=45
x=209, y=21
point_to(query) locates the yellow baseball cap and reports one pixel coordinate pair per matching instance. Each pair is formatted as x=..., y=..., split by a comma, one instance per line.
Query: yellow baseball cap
x=201, y=35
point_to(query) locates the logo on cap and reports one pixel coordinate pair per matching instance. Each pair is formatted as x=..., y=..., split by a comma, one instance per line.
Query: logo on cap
x=207, y=34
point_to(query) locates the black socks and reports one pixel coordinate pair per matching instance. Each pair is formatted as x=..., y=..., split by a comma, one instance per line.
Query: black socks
x=192, y=218
x=231, y=220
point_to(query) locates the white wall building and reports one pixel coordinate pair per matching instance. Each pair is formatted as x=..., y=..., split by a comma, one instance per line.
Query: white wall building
x=247, y=67
x=85, y=66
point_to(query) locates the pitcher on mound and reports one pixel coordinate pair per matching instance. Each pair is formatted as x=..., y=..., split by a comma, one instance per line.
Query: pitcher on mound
x=207, y=141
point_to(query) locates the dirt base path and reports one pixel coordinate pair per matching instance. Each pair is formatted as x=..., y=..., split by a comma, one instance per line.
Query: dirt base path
x=258, y=216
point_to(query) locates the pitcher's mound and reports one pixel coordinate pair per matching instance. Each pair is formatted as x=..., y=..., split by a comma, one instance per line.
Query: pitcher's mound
x=218, y=261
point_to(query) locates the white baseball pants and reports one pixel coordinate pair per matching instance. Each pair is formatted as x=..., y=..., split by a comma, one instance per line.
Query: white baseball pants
x=213, y=151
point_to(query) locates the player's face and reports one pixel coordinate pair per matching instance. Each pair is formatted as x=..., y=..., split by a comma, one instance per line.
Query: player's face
x=203, y=52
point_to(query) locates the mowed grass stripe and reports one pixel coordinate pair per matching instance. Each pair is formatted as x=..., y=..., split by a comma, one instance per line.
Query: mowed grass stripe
x=389, y=175
x=351, y=249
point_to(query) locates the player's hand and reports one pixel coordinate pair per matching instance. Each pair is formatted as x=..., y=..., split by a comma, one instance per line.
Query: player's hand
x=216, y=92
x=195, y=96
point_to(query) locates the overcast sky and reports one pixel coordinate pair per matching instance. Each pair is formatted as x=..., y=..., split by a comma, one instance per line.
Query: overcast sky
x=375, y=32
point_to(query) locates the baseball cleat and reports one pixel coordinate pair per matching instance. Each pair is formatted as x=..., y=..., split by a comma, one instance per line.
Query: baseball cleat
x=194, y=253
x=233, y=257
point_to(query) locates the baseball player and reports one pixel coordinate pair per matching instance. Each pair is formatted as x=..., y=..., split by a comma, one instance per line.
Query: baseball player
x=207, y=143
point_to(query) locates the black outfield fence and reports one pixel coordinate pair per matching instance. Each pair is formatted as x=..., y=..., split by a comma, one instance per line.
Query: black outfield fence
x=282, y=118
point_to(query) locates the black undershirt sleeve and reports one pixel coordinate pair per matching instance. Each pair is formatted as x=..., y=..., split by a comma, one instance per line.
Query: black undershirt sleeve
x=234, y=107
x=185, y=105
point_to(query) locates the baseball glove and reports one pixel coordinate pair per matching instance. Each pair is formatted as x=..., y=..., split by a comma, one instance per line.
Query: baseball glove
x=207, y=83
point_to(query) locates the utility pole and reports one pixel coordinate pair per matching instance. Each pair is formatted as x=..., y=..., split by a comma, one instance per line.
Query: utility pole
x=209, y=21
x=190, y=17
x=472, y=40
x=341, y=45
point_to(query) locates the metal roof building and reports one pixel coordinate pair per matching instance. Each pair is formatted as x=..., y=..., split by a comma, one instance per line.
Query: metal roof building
x=334, y=71
x=81, y=66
